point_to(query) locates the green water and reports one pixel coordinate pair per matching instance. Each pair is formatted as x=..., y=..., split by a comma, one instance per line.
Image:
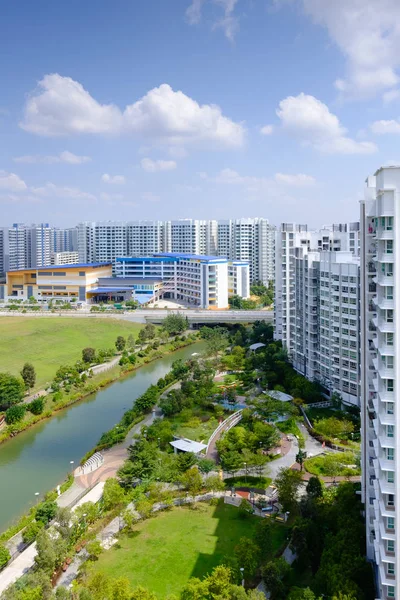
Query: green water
x=39, y=458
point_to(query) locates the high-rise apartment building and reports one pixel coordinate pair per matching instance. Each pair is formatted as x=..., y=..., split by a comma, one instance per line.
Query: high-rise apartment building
x=145, y=238
x=253, y=240
x=102, y=241
x=25, y=246
x=380, y=374
x=325, y=339
x=39, y=245
x=65, y=240
x=289, y=237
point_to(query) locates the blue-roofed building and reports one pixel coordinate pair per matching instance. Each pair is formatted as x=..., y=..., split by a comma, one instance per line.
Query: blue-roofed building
x=194, y=279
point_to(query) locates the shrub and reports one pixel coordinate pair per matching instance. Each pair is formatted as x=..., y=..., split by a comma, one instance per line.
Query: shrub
x=36, y=406
x=14, y=414
x=46, y=512
x=4, y=556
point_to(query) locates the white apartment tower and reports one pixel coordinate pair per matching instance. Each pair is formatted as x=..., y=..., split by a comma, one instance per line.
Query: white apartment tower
x=101, y=241
x=145, y=238
x=380, y=374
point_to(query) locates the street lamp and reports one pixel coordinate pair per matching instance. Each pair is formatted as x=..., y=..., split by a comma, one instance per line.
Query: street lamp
x=242, y=574
x=245, y=472
x=71, y=462
x=159, y=439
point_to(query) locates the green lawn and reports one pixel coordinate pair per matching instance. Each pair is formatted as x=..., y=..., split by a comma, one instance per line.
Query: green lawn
x=48, y=342
x=329, y=465
x=162, y=553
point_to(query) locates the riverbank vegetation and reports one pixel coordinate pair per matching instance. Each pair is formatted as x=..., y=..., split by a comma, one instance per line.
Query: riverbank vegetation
x=48, y=343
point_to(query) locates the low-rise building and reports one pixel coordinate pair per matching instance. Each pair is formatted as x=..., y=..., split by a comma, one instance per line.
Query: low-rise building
x=61, y=282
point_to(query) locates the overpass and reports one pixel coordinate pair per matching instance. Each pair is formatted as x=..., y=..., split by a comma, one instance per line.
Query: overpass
x=204, y=317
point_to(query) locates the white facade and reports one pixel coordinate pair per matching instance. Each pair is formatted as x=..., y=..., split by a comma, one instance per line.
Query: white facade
x=145, y=237
x=289, y=237
x=326, y=336
x=102, y=241
x=64, y=258
x=380, y=373
x=25, y=246
x=203, y=281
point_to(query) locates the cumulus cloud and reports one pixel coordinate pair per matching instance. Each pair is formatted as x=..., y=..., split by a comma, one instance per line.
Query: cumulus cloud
x=311, y=121
x=51, y=190
x=298, y=180
x=11, y=182
x=64, y=157
x=61, y=106
x=382, y=127
x=151, y=166
x=267, y=130
x=367, y=33
x=113, y=179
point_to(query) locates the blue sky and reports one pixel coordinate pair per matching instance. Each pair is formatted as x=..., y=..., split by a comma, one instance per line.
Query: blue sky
x=195, y=108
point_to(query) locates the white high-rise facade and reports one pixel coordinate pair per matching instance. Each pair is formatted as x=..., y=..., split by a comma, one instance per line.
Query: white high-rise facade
x=25, y=246
x=380, y=373
x=251, y=240
x=289, y=237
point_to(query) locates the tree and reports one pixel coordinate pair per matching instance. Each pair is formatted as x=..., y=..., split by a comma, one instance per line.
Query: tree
x=11, y=389
x=46, y=511
x=31, y=530
x=4, y=556
x=297, y=593
x=192, y=481
x=36, y=406
x=150, y=330
x=120, y=343
x=314, y=488
x=214, y=484
x=175, y=323
x=89, y=355
x=263, y=537
x=216, y=339
x=142, y=337
x=141, y=593
x=247, y=554
x=273, y=575
x=28, y=374
x=144, y=508
x=131, y=342
x=206, y=465
x=301, y=457
x=113, y=494
x=287, y=483
x=46, y=557
x=90, y=509
x=15, y=413
x=94, y=549
x=245, y=509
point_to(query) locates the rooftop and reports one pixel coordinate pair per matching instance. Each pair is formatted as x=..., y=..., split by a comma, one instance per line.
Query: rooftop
x=63, y=267
x=186, y=445
x=188, y=256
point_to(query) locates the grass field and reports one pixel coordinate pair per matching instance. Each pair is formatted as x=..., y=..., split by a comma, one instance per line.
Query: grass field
x=162, y=553
x=48, y=342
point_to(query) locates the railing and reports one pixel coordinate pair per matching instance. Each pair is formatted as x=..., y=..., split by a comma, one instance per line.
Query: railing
x=226, y=425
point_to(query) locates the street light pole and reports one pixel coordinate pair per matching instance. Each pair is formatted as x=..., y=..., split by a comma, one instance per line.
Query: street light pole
x=245, y=472
x=71, y=462
x=242, y=573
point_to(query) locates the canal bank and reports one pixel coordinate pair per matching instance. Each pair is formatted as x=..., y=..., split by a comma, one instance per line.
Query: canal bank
x=39, y=458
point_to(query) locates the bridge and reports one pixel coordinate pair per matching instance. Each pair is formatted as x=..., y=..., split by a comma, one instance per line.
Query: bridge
x=203, y=317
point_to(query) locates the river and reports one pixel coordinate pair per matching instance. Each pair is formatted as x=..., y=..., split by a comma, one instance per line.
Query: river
x=39, y=458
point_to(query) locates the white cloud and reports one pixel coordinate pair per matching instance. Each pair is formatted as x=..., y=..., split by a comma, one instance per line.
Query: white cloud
x=11, y=182
x=193, y=12
x=311, y=121
x=254, y=184
x=177, y=152
x=151, y=166
x=150, y=197
x=111, y=197
x=367, y=33
x=50, y=190
x=63, y=157
x=391, y=96
x=113, y=179
x=61, y=106
x=381, y=127
x=19, y=199
x=228, y=22
x=267, y=130
x=298, y=180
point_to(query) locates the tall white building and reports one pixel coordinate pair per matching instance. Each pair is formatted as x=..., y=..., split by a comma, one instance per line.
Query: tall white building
x=102, y=241
x=145, y=237
x=25, y=246
x=380, y=374
x=65, y=240
x=326, y=340
x=289, y=237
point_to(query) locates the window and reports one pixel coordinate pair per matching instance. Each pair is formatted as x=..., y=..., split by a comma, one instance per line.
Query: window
x=60, y=274
x=389, y=385
x=389, y=246
x=390, y=476
x=390, y=431
x=390, y=522
x=389, y=292
x=389, y=453
x=388, y=362
x=390, y=408
x=33, y=275
x=389, y=339
x=45, y=273
x=389, y=316
x=389, y=545
x=82, y=273
x=391, y=592
x=390, y=500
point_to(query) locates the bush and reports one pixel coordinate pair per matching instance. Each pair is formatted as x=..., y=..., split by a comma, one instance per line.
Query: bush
x=30, y=532
x=36, y=406
x=4, y=556
x=14, y=414
x=46, y=512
